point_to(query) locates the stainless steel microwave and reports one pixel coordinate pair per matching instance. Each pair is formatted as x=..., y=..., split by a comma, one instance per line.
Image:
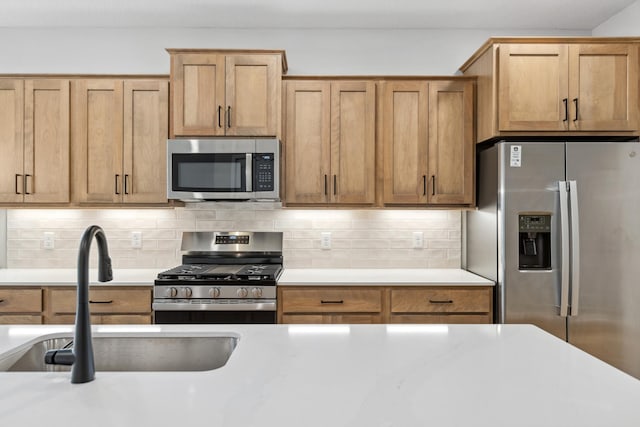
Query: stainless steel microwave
x=223, y=169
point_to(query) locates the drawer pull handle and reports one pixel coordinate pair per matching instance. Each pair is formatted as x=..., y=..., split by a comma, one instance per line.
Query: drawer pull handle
x=101, y=302
x=446, y=301
x=332, y=301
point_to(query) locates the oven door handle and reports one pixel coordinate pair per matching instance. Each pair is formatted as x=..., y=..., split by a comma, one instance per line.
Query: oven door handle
x=266, y=305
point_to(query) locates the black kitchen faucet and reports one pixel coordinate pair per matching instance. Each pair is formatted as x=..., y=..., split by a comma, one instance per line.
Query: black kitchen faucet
x=81, y=355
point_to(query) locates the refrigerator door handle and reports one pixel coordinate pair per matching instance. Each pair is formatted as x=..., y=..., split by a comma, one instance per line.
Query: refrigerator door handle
x=575, y=247
x=564, y=241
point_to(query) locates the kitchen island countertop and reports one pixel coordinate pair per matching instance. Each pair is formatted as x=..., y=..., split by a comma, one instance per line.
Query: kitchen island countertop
x=337, y=375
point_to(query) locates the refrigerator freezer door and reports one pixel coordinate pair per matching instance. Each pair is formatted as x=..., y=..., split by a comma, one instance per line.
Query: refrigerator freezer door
x=528, y=184
x=608, y=321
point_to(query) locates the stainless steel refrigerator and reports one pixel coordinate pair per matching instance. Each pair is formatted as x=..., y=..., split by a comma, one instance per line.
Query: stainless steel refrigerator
x=558, y=229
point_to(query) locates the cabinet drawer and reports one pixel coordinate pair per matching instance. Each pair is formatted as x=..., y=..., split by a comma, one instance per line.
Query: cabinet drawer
x=438, y=300
x=103, y=301
x=21, y=319
x=331, y=300
x=16, y=300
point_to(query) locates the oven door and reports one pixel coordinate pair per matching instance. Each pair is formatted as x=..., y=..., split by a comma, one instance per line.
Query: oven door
x=214, y=312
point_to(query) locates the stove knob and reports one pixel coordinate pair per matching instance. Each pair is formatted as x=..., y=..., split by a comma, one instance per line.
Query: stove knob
x=242, y=292
x=171, y=292
x=214, y=292
x=187, y=292
x=256, y=292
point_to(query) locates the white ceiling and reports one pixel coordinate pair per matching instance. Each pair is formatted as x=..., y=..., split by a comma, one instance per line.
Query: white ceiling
x=389, y=14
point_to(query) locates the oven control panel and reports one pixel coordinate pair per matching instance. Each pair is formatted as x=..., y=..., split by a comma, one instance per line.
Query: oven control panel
x=232, y=239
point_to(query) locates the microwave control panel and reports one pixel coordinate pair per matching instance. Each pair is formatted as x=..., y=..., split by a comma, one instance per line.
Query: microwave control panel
x=263, y=172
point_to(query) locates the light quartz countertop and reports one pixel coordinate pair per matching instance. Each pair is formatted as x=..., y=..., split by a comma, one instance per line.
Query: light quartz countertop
x=290, y=277
x=364, y=277
x=336, y=375
x=69, y=277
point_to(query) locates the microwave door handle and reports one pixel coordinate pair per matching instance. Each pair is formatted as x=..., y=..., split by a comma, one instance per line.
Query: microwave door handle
x=248, y=176
x=564, y=242
x=575, y=247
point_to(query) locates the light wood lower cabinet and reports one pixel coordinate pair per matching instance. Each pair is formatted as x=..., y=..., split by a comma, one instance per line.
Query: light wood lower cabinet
x=113, y=305
x=20, y=306
x=385, y=304
x=330, y=305
x=441, y=305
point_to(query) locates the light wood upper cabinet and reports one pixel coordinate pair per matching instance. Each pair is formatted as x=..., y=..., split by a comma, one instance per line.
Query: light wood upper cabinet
x=198, y=86
x=428, y=142
x=307, y=142
x=253, y=93
x=119, y=136
x=330, y=142
x=34, y=137
x=533, y=89
x=217, y=93
x=146, y=127
x=405, y=133
x=451, y=148
x=556, y=87
x=603, y=87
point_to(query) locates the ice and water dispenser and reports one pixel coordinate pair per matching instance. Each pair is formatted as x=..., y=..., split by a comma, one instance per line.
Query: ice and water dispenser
x=534, y=240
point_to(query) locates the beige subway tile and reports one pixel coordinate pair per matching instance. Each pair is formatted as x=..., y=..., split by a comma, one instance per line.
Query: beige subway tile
x=437, y=244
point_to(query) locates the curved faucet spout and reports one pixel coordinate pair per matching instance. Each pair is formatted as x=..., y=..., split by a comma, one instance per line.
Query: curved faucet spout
x=83, y=369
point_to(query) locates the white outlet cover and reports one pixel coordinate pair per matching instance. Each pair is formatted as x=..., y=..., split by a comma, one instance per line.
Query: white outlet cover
x=136, y=239
x=418, y=240
x=325, y=240
x=48, y=241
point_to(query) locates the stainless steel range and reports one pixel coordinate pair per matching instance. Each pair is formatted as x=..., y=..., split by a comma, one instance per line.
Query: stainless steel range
x=226, y=277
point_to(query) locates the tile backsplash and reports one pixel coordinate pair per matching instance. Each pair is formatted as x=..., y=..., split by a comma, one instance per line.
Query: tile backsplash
x=373, y=238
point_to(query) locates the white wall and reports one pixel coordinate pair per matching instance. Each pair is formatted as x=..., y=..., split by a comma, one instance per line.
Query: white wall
x=625, y=23
x=324, y=52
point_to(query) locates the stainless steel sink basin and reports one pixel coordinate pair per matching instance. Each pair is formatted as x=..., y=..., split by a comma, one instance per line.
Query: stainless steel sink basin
x=138, y=354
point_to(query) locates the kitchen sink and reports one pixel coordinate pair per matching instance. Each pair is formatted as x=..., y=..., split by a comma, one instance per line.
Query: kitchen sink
x=202, y=353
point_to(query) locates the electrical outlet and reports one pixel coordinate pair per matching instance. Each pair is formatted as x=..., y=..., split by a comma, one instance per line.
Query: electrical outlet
x=136, y=239
x=325, y=240
x=418, y=240
x=48, y=241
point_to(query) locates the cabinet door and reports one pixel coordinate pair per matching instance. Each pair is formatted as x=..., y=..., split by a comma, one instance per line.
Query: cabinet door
x=97, y=141
x=307, y=141
x=405, y=142
x=603, y=87
x=533, y=87
x=451, y=147
x=11, y=140
x=198, y=86
x=353, y=107
x=145, y=137
x=252, y=94
x=46, y=141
